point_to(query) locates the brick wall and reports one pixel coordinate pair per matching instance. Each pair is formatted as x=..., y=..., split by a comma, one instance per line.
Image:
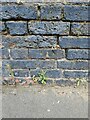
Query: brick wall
x=53, y=37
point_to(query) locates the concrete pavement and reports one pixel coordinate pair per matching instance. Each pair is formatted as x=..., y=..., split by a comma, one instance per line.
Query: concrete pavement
x=45, y=102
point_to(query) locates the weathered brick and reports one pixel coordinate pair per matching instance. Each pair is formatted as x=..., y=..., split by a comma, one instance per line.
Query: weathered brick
x=72, y=65
x=5, y=53
x=76, y=13
x=5, y=70
x=74, y=42
x=51, y=11
x=21, y=73
x=11, y=42
x=20, y=53
x=46, y=41
x=25, y=11
x=30, y=64
x=54, y=73
x=80, y=28
x=48, y=73
x=29, y=41
x=75, y=74
x=44, y=27
x=78, y=54
x=64, y=82
x=2, y=26
x=5, y=73
x=17, y=28
x=46, y=54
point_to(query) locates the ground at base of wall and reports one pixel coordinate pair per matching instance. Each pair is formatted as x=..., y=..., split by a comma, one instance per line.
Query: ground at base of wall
x=28, y=83
x=45, y=102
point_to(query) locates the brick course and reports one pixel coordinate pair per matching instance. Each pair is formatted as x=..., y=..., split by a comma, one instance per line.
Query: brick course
x=53, y=37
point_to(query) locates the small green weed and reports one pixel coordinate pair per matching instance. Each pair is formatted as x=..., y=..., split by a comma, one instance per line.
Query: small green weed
x=42, y=77
x=79, y=81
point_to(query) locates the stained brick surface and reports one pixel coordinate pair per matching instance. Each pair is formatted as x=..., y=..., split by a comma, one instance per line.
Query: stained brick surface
x=53, y=37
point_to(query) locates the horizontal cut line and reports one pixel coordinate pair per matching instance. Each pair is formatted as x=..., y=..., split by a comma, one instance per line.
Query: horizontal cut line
x=52, y=20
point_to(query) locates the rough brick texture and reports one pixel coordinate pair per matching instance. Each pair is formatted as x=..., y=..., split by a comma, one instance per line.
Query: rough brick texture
x=30, y=64
x=61, y=28
x=17, y=28
x=44, y=54
x=21, y=73
x=78, y=54
x=72, y=65
x=53, y=37
x=74, y=42
x=51, y=12
x=80, y=29
x=5, y=53
x=75, y=74
x=19, y=11
x=49, y=73
x=19, y=53
x=30, y=41
x=76, y=13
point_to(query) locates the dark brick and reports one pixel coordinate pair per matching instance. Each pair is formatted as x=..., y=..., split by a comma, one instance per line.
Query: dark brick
x=20, y=53
x=74, y=42
x=80, y=28
x=78, y=54
x=75, y=74
x=25, y=11
x=17, y=28
x=51, y=12
x=54, y=73
x=46, y=54
x=5, y=53
x=30, y=64
x=44, y=27
x=21, y=73
x=29, y=41
x=71, y=65
x=48, y=74
x=64, y=82
x=76, y=13
x=11, y=42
